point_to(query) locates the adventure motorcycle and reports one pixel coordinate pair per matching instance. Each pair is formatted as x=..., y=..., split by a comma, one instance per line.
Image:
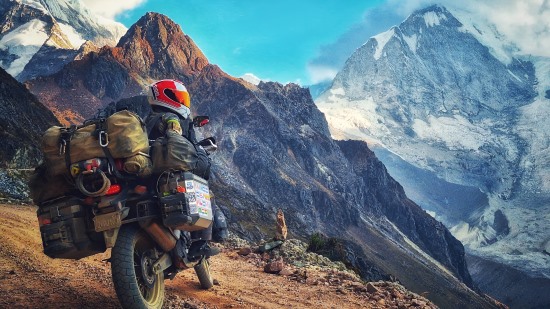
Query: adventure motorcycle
x=147, y=223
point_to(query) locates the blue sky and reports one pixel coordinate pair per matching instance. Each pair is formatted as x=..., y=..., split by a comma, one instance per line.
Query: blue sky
x=307, y=41
x=274, y=40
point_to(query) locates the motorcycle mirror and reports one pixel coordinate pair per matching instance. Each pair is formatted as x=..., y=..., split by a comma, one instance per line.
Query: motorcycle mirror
x=200, y=121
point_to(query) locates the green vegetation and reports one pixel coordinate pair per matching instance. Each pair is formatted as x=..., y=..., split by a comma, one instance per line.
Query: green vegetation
x=326, y=246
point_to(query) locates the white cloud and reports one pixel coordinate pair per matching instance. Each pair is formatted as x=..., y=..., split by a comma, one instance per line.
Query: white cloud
x=524, y=22
x=320, y=73
x=110, y=8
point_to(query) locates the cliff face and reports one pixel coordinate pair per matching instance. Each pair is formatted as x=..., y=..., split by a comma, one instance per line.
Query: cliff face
x=386, y=197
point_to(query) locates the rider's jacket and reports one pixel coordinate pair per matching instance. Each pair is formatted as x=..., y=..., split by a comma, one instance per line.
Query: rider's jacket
x=161, y=120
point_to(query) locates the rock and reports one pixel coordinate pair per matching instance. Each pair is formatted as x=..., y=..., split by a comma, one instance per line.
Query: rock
x=286, y=272
x=381, y=302
x=268, y=246
x=397, y=295
x=418, y=303
x=371, y=288
x=282, y=230
x=244, y=251
x=216, y=282
x=274, y=267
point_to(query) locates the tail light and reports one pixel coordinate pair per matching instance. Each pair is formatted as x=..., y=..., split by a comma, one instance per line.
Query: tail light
x=44, y=220
x=113, y=189
x=140, y=189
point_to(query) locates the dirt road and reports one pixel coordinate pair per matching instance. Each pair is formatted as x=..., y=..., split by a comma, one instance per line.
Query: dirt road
x=29, y=279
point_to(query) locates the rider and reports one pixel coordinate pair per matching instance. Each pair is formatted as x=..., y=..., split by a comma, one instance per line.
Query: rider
x=170, y=104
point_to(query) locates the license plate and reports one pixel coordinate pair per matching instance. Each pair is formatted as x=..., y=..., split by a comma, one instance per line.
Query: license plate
x=107, y=221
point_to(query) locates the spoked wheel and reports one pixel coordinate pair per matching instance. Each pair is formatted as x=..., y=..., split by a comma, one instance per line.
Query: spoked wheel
x=132, y=259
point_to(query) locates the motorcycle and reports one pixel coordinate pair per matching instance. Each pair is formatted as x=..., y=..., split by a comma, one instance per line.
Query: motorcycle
x=147, y=224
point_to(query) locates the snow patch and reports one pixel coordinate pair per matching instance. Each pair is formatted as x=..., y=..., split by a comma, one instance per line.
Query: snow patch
x=514, y=75
x=431, y=213
x=433, y=19
x=251, y=78
x=456, y=132
x=351, y=119
x=74, y=37
x=382, y=39
x=34, y=4
x=412, y=41
x=24, y=41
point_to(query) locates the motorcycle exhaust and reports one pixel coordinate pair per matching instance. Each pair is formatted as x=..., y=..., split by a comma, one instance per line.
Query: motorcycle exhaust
x=161, y=235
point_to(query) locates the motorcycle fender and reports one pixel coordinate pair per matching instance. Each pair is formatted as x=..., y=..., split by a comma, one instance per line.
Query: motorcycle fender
x=110, y=237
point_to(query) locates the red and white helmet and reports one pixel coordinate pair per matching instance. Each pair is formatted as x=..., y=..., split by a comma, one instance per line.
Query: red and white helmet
x=171, y=94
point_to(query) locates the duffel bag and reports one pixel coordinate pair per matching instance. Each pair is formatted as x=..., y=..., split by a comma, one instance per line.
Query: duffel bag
x=173, y=151
x=120, y=135
x=43, y=186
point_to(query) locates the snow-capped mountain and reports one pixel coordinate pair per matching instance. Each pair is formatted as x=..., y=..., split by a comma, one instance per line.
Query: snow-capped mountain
x=460, y=121
x=38, y=37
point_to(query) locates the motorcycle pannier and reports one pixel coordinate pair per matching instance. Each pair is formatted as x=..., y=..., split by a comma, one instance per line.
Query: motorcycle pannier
x=123, y=134
x=185, y=201
x=66, y=230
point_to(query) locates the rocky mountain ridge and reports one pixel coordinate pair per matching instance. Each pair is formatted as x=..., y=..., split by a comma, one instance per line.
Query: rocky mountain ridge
x=275, y=152
x=152, y=48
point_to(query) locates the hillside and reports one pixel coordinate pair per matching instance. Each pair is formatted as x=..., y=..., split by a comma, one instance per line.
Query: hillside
x=29, y=279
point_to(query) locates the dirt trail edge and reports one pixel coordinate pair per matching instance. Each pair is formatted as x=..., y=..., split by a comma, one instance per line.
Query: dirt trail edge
x=29, y=279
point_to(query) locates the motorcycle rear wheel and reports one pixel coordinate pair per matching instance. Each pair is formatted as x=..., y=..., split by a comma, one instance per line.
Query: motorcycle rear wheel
x=132, y=258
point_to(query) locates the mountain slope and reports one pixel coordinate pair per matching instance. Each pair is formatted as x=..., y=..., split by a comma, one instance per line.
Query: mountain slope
x=448, y=106
x=275, y=152
x=22, y=121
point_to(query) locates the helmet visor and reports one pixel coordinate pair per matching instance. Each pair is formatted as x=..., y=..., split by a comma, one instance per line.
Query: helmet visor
x=179, y=96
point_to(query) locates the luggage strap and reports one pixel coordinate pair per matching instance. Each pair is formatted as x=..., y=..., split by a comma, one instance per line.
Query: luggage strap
x=103, y=138
x=65, y=144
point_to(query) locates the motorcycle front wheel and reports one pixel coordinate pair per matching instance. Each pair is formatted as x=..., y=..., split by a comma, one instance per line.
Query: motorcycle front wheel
x=132, y=258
